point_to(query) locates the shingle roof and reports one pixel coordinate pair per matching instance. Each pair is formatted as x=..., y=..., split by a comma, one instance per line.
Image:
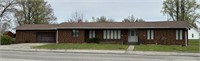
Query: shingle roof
x=37, y=27
x=108, y=25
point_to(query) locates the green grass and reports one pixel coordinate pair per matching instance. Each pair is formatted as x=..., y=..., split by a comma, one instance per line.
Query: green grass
x=192, y=47
x=83, y=46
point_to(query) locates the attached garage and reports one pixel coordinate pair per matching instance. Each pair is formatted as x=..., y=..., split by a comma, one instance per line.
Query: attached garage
x=46, y=37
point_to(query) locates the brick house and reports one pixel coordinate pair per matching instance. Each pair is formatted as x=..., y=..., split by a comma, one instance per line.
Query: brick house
x=164, y=32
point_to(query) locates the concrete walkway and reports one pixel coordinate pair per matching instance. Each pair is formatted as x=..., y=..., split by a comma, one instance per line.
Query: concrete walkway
x=130, y=48
x=21, y=46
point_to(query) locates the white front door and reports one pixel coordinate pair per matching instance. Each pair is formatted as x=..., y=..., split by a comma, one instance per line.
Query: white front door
x=132, y=36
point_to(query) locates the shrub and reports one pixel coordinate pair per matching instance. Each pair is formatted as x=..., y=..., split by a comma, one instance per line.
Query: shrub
x=13, y=40
x=93, y=40
x=5, y=40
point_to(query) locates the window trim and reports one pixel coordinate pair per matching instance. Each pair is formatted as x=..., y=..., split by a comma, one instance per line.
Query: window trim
x=75, y=33
x=150, y=34
x=92, y=34
x=179, y=34
x=111, y=34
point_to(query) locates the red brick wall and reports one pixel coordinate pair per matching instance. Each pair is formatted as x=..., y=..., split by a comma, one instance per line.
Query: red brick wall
x=65, y=36
x=99, y=34
x=161, y=36
x=28, y=36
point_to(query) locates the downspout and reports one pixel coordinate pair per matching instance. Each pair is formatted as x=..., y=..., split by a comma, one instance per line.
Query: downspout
x=56, y=36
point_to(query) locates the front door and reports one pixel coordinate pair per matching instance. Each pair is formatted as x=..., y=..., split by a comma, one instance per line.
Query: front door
x=132, y=36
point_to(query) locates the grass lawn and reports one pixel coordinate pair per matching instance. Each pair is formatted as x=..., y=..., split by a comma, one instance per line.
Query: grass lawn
x=84, y=46
x=192, y=47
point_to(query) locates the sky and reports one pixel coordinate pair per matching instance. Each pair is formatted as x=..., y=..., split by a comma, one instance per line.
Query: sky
x=149, y=10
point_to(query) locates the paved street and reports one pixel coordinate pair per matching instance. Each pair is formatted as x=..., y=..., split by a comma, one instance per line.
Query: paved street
x=47, y=56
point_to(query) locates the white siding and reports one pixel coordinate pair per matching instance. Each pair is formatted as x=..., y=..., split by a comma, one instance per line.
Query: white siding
x=194, y=32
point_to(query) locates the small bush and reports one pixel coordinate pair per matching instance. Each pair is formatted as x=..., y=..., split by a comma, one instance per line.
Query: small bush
x=13, y=40
x=5, y=40
x=93, y=40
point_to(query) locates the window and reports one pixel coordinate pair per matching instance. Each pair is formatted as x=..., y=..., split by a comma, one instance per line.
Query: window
x=75, y=33
x=115, y=34
x=150, y=34
x=108, y=34
x=111, y=34
x=179, y=34
x=104, y=34
x=192, y=35
x=119, y=34
x=132, y=33
x=92, y=34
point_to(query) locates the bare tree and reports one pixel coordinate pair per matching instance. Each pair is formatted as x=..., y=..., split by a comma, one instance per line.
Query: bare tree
x=7, y=9
x=76, y=17
x=102, y=19
x=131, y=18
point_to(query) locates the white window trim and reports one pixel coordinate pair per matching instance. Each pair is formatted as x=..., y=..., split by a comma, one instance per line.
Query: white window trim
x=75, y=33
x=119, y=34
x=150, y=34
x=179, y=34
x=108, y=34
x=104, y=34
x=91, y=33
x=115, y=34
x=111, y=34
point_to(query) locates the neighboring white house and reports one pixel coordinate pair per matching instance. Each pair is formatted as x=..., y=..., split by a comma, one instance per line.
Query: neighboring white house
x=193, y=33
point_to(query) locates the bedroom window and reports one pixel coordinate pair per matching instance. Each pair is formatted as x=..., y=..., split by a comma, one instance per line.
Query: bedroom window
x=75, y=33
x=179, y=34
x=92, y=34
x=150, y=34
x=111, y=34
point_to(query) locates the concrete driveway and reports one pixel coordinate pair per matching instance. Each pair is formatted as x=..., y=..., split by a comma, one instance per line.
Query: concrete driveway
x=21, y=45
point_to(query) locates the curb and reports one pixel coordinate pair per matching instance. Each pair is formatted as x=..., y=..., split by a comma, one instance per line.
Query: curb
x=164, y=53
x=109, y=52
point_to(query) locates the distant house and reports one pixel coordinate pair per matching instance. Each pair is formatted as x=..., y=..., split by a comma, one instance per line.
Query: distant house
x=9, y=33
x=193, y=33
x=165, y=32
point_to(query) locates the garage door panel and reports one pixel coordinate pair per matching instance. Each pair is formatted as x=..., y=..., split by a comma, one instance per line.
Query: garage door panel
x=46, y=37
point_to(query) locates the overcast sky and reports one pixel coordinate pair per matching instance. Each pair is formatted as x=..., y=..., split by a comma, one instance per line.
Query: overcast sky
x=149, y=10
